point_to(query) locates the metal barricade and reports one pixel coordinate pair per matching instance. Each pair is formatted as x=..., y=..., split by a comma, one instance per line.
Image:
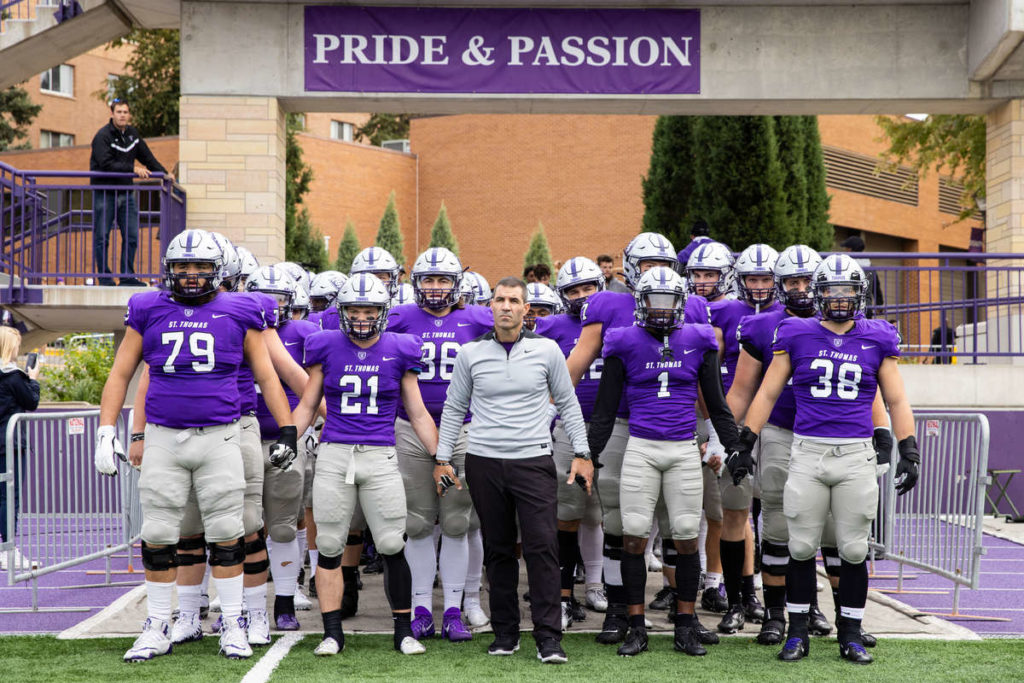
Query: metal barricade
x=938, y=526
x=67, y=514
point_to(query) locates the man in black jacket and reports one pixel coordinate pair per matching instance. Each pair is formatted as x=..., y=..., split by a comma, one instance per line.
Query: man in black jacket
x=116, y=148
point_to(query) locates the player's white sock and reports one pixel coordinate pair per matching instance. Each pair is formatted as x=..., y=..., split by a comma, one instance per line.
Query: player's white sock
x=712, y=580
x=702, y=538
x=188, y=598
x=314, y=556
x=591, y=547
x=421, y=553
x=285, y=564
x=255, y=596
x=474, y=563
x=300, y=538
x=158, y=600
x=453, y=563
x=230, y=592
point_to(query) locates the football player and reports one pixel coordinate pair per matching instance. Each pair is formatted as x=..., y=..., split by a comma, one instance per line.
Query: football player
x=836, y=363
x=324, y=289
x=364, y=373
x=543, y=302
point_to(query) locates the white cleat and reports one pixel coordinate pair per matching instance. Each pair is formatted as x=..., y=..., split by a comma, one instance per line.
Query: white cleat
x=154, y=641
x=187, y=628
x=653, y=564
x=302, y=602
x=259, y=627
x=328, y=647
x=215, y=604
x=233, y=643
x=411, y=646
x=476, y=618
x=596, y=599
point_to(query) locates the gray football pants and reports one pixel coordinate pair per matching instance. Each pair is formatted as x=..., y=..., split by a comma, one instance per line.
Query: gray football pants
x=573, y=502
x=282, y=495
x=425, y=507
x=611, y=472
x=655, y=469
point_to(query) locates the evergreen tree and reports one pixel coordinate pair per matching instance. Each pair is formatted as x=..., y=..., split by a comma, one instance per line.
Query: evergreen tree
x=151, y=83
x=16, y=115
x=791, y=134
x=538, y=251
x=381, y=127
x=441, y=234
x=389, y=235
x=821, y=235
x=348, y=248
x=303, y=243
x=668, y=187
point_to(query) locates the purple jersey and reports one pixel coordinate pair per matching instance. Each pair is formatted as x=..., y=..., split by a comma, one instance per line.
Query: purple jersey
x=194, y=353
x=293, y=335
x=314, y=317
x=726, y=315
x=835, y=376
x=755, y=334
x=246, y=381
x=661, y=393
x=564, y=329
x=363, y=387
x=442, y=338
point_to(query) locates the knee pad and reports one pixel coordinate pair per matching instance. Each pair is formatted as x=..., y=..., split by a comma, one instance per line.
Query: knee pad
x=191, y=543
x=328, y=542
x=801, y=550
x=854, y=552
x=416, y=526
x=223, y=529
x=688, y=526
x=226, y=555
x=152, y=528
x=389, y=544
x=283, y=533
x=252, y=517
x=327, y=562
x=455, y=526
x=774, y=558
x=258, y=545
x=159, y=559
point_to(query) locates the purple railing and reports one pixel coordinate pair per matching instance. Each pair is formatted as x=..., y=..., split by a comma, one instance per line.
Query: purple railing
x=46, y=228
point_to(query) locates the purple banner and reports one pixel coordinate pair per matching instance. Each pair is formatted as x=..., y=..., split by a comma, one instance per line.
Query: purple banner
x=514, y=51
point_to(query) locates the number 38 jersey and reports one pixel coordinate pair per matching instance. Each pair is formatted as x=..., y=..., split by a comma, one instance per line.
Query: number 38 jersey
x=835, y=376
x=661, y=392
x=194, y=354
x=441, y=339
x=363, y=387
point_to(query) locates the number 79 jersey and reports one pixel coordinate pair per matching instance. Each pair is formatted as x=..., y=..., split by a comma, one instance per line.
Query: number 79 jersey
x=194, y=354
x=835, y=376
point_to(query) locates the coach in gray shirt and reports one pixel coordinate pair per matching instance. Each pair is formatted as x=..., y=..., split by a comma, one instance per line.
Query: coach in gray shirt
x=508, y=378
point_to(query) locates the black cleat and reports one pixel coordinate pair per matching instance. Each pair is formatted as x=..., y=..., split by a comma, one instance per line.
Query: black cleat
x=817, y=624
x=772, y=632
x=673, y=610
x=753, y=610
x=868, y=639
x=635, y=643
x=732, y=621
x=663, y=599
x=615, y=626
x=687, y=641
x=706, y=636
x=712, y=600
x=578, y=613
x=855, y=652
x=794, y=650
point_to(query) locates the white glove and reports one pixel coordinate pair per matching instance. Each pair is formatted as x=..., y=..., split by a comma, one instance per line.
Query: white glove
x=881, y=470
x=312, y=442
x=715, y=446
x=108, y=450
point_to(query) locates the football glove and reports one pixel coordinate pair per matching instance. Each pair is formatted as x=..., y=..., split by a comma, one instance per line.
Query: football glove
x=447, y=481
x=108, y=450
x=715, y=446
x=312, y=442
x=906, y=469
x=284, y=452
x=741, y=461
x=882, y=441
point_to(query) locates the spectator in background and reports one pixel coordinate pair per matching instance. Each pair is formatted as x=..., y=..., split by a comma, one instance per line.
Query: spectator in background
x=943, y=340
x=19, y=393
x=855, y=244
x=115, y=149
x=611, y=283
x=699, y=234
x=7, y=320
x=542, y=272
x=530, y=274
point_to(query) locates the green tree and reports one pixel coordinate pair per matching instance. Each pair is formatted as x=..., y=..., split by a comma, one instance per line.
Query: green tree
x=790, y=132
x=303, y=243
x=348, y=248
x=381, y=127
x=389, y=234
x=83, y=373
x=441, y=234
x=820, y=233
x=16, y=114
x=668, y=186
x=954, y=142
x=151, y=83
x=538, y=251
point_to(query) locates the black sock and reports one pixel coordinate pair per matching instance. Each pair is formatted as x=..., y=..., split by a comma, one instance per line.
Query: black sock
x=332, y=626
x=350, y=575
x=398, y=581
x=732, y=569
x=634, y=577
x=853, y=588
x=568, y=551
x=775, y=602
x=284, y=604
x=687, y=576
x=684, y=619
x=801, y=582
x=836, y=600
x=636, y=621
x=798, y=626
x=748, y=586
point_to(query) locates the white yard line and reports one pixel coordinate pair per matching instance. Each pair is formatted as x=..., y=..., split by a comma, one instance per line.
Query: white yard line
x=260, y=673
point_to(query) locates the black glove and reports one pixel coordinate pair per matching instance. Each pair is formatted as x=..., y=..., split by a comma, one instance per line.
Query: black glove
x=284, y=452
x=906, y=469
x=740, y=461
x=882, y=441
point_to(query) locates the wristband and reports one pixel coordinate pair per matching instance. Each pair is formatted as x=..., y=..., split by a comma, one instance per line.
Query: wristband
x=138, y=436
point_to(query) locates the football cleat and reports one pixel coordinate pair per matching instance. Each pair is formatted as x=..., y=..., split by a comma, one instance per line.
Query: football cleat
x=550, y=651
x=286, y=622
x=215, y=626
x=410, y=646
x=187, y=628
x=753, y=610
x=733, y=620
x=566, y=614
x=855, y=652
x=706, y=635
x=772, y=632
x=635, y=643
x=817, y=624
x=155, y=640
x=687, y=641
x=654, y=564
x=329, y=647
x=794, y=650
x=504, y=646
x=233, y=642
x=204, y=605
x=663, y=599
x=452, y=627
x=713, y=600
x=614, y=628
x=578, y=613
x=476, y=616
x=596, y=599
x=422, y=624
x=259, y=627
x=868, y=639
x=302, y=602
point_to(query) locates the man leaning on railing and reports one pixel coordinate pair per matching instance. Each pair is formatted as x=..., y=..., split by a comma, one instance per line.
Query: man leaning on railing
x=116, y=148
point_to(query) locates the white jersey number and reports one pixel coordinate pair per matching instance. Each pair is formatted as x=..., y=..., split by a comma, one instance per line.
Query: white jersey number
x=847, y=382
x=594, y=372
x=356, y=391
x=663, y=391
x=199, y=343
x=440, y=360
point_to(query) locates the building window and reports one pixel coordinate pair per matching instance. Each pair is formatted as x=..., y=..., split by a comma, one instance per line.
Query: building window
x=341, y=130
x=58, y=80
x=51, y=138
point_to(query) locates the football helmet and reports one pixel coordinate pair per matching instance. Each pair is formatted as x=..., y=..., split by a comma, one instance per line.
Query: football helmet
x=231, y=271
x=377, y=260
x=406, y=295
x=711, y=256
x=660, y=296
x=276, y=282
x=324, y=288
x=840, y=288
x=647, y=246
x=440, y=262
x=540, y=297
x=757, y=259
x=297, y=273
x=798, y=260
x=300, y=303
x=467, y=290
x=579, y=270
x=364, y=289
x=193, y=246
x=481, y=289
x=248, y=264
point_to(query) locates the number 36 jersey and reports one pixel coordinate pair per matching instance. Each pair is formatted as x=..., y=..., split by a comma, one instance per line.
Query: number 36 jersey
x=363, y=387
x=835, y=376
x=194, y=353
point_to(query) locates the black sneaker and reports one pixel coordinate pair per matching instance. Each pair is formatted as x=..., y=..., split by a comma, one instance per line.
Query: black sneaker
x=707, y=637
x=772, y=631
x=663, y=599
x=855, y=652
x=687, y=641
x=733, y=620
x=794, y=650
x=753, y=610
x=578, y=613
x=615, y=626
x=550, y=651
x=635, y=643
x=817, y=624
x=868, y=639
x=712, y=600
x=504, y=645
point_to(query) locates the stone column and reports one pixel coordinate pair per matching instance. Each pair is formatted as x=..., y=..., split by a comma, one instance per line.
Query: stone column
x=232, y=156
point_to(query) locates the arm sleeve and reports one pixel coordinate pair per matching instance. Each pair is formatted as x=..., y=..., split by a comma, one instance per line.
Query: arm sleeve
x=460, y=390
x=609, y=393
x=144, y=155
x=714, y=397
x=26, y=392
x=565, y=399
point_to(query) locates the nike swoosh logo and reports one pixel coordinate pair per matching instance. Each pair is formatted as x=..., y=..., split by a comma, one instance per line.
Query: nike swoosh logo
x=219, y=315
x=290, y=343
x=388, y=358
x=869, y=346
x=686, y=352
x=464, y=324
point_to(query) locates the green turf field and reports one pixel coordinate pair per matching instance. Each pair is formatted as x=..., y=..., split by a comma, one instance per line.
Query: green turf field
x=47, y=660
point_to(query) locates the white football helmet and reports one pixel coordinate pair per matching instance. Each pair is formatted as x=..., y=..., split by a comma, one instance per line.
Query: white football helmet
x=757, y=259
x=711, y=256
x=276, y=282
x=248, y=264
x=406, y=295
x=437, y=261
x=579, y=270
x=840, y=288
x=798, y=260
x=193, y=246
x=660, y=297
x=481, y=288
x=297, y=273
x=324, y=288
x=377, y=260
x=364, y=289
x=647, y=246
x=543, y=302
x=231, y=271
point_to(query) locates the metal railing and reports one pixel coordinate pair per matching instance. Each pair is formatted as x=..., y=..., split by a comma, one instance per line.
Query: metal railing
x=46, y=227
x=938, y=526
x=65, y=513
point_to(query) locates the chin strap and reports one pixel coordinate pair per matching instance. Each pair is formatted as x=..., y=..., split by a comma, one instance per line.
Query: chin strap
x=666, y=350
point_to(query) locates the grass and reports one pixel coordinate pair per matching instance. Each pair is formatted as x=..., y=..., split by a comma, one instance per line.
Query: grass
x=370, y=657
